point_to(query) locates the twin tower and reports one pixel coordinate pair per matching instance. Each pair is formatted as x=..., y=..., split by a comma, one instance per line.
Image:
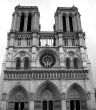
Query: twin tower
x=45, y=70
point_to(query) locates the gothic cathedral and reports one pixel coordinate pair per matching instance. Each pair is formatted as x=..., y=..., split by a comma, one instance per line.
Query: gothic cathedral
x=45, y=70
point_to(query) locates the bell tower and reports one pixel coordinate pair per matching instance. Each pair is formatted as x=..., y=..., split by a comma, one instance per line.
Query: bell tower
x=70, y=33
x=46, y=70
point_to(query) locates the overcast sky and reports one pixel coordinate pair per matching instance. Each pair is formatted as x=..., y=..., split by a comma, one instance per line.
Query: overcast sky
x=47, y=8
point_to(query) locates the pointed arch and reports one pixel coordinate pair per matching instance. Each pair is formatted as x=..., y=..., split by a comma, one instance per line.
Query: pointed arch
x=70, y=23
x=18, y=63
x=49, y=88
x=68, y=63
x=18, y=93
x=29, y=22
x=75, y=91
x=22, y=22
x=64, y=23
x=26, y=63
x=75, y=63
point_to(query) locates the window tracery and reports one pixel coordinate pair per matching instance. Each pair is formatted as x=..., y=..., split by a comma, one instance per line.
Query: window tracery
x=68, y=62
x=18, y=63
x=26, y=63
x=47, y=60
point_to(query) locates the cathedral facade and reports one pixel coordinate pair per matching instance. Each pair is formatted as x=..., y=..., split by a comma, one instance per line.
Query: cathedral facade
x=46, y=70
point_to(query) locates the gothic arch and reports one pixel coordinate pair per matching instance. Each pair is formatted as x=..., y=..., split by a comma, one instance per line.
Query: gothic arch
x=49, y=88
x=18, y=98
x=76, y=98
x=18, y=90
x=76, y=88
x=72, y=55
x=48, y=50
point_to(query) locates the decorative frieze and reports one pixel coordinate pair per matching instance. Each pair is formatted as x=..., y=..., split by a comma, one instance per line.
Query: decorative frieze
x=78, y=74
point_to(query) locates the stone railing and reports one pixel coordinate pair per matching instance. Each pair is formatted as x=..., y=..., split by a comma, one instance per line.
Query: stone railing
x=45, y=74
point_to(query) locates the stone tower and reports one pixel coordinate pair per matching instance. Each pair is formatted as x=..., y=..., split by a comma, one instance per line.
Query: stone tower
x=46, y=70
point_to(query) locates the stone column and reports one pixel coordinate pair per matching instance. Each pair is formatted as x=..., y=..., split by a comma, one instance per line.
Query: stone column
x=3, y=105
x=61, y=51
x=25, y=22
x=67, y=23
x=36, y=22
x=74, y=23
x=13, y=27
x=32, y=22
x=60, y=23
x=31, y=105
x=79, y=22
x=18, y=22
x=56, y=22
x=63, y=103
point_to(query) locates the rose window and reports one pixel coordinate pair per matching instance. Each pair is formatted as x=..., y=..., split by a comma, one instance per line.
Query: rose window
x=47, y=60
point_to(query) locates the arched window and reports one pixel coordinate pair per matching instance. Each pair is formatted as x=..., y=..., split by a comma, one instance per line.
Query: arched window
x=70, y=23
x=29, y=23
x=18, y=63
x=22, y=23
x=68, y=62
x=75, y=63
x=26, y=63
x=64, y=22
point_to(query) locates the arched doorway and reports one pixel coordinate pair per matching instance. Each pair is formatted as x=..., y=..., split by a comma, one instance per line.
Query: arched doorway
x=18, y=99
x=47, y=97
x=76, y=98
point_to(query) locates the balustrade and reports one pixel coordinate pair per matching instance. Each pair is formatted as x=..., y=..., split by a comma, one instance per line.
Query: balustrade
x=45, y=74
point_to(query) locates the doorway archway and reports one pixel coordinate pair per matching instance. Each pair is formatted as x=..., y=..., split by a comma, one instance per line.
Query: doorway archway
x=76, y=98
x=18, y=99
x=47, y=97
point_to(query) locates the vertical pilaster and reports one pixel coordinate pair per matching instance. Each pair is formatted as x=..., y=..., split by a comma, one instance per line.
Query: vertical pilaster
x=63, y=103
x=61, y=51
x=3, y=105
x=67, y=23
x=18, y=22
x=25, y=21
x=74, y=23
x=34, y=50
x=56, y=22
x=60, y=24
x=31, y=105
x=79, y=22
x=32, y=22
x=36, y=21
x=13, y=27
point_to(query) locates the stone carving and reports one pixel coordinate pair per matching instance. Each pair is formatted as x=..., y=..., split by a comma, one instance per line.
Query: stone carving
x=4, y=96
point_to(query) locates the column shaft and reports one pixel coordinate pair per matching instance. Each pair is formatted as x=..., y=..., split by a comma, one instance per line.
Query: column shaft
x=32, y=22
x=60, y=26
x=25, y=22
x=14, y=21
x=56, y=22
x=74, y=23
x=31, y=105
x=63, y=103
x=67, y=23
x=36, y=22
x=18, y=23
x=79, y=22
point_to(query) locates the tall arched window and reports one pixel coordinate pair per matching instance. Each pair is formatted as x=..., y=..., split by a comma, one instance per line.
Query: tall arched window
x=76, y=63
x=70, y=23
x=29, y=23
x=22, y=22
x=68, y=62
x=64, y=22
x=18, y=63
x=26, y=63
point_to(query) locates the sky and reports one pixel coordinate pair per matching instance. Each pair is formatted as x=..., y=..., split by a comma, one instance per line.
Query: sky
x=47, y=9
